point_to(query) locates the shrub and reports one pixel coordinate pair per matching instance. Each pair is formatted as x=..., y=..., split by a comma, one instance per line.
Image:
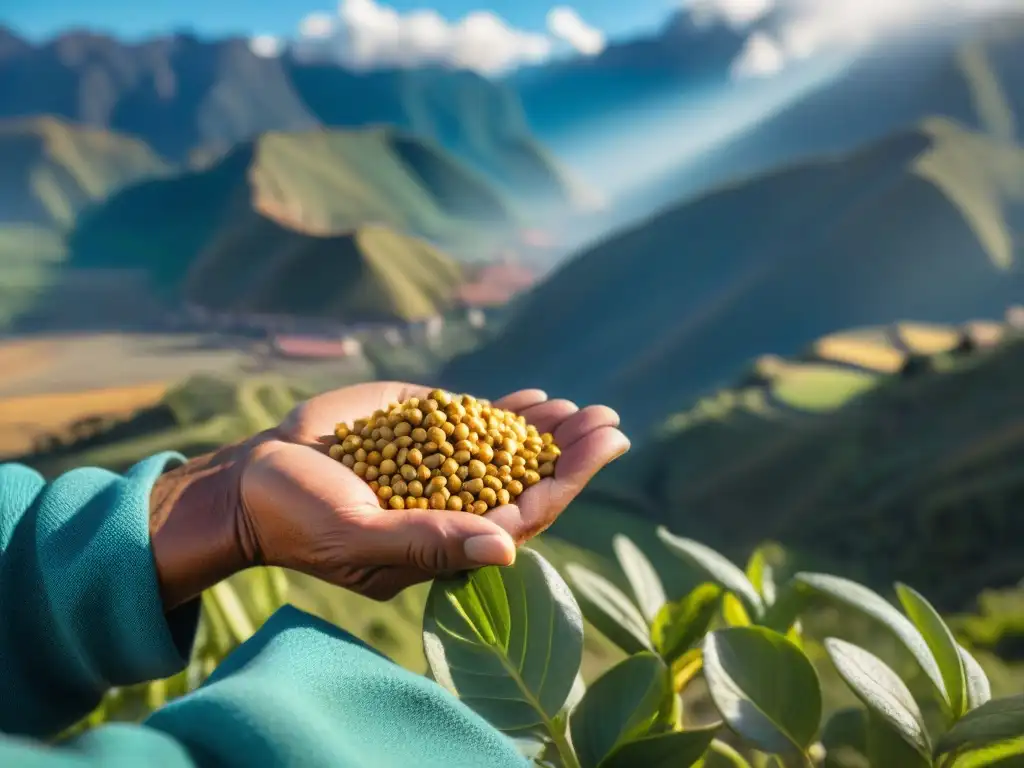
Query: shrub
x=508, y=642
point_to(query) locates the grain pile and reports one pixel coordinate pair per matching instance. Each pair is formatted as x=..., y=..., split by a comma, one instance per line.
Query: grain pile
x=445, y=452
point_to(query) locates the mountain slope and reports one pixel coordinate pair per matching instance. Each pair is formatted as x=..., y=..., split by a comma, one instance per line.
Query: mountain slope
x=50, y=170
x=926, y=224
x=891, y=453
x=971, y=73
x=314, y=185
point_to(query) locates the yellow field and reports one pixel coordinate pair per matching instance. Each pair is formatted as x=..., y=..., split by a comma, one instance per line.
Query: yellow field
x=24, y=418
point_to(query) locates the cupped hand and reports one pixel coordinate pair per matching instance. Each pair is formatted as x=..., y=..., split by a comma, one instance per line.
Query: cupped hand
x=303, y=510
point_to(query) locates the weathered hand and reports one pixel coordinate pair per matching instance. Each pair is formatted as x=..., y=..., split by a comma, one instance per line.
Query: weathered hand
x=293, y=506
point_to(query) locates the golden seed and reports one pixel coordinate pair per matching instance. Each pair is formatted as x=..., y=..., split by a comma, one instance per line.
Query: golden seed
x=480, y=507
x=436, y=435
x=408, y=472
x=429, y=406
x=419, y=435
x=489, y=496
x=504, y=497
x=341, y=431
x=477, y=468
x=462, y=472
x=429, y=447
x=545, y=456
x=384, y=480
x=396, y=502
x=532, y=464
x=474, y=486
x=415, y=457
x=438, y=501
x=492, y=482
x=389, y=451
x=514, y=488
x=461, y=457
x=434, y=461
x=384, y=492
x=336, y=452
x=361, y=454
x=404, y=442
x=446, y=449
x=531, y=478
x=373, y=458
x=467, y=499
x=436, y=483
x=388, y=467
x=454, y=504
x=414, y=416
x=486, y=453
x=372, y=473
x=547, y=469
x=416, y=488
x=400, y=487
x=454, y=484
x=423, y=473
x=374, y=486
x=360, y=468
x=402, y=429
x=411, y=502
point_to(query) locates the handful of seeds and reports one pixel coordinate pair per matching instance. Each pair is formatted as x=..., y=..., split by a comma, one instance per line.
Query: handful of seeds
x=446, y=451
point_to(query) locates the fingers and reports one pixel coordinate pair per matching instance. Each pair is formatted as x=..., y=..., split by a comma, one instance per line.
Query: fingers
x=431, y=541
x=546, y=416
x=539, y=506
x=517, y=402
x=582, y=423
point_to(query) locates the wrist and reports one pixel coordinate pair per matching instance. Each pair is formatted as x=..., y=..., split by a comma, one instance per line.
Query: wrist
x=194, y=525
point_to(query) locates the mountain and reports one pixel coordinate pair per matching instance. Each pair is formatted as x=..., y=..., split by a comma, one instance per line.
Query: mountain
x=565, y=96
x=927, y=223
x=971, y=73
x=50, y=170
x=888, y=453
x=188, y=97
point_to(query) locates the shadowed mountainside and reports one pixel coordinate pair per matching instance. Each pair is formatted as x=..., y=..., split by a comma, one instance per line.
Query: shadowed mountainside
x=889, y=453
x=188, y=97
x=925, y=224
x=970, y=73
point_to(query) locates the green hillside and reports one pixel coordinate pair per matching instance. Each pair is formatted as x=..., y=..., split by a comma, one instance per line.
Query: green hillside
x=926, y=224
x=50, y=170
x=318, y=184
x=892, y=453
x=370, y=274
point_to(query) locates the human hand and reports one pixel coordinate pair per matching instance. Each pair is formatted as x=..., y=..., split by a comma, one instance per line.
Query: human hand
x=291, y=505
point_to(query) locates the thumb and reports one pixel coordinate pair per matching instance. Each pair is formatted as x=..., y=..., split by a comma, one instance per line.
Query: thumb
x=433, y=541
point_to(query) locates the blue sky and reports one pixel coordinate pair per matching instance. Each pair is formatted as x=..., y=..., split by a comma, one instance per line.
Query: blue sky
x=38, y=19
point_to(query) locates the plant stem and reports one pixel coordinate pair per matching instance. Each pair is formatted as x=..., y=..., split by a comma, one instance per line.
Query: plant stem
x=566, y=754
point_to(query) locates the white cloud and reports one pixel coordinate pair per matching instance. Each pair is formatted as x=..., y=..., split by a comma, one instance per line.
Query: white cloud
x=565, y=24
x=366, y=35
x=786, y=30
x=761, y=57
x=266, y=46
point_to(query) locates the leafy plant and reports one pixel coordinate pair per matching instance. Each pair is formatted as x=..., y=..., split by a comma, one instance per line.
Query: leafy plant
x=487, y=632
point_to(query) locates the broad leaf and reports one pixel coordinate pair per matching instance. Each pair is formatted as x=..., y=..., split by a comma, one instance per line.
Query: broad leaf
x=764, y=687
x=717, y=567
x=783, y=614
x=940, y=642
x=761, y=570
x=679, y=749
x=507, y=641
x=979, y=691
x=619, y=706
x=643, y=579
x=873, y=605
x=721, y=755
x=682, y=623
x=611, y=612
x=1006, y=754
x=997, y=721
x=882, y=692
x=579, y=688
x=734, y=613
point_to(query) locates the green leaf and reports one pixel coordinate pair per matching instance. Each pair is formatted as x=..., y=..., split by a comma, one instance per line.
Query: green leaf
x=719, y=568
x=940, y=642
x=643, y=579
x=783, y=614
x=887, y=747
x=681, y=623
x=764, y=687
x=873, y=605
x=979, y=691
x=612, y=612
x=619, y=706
x=679, y=749
x=761, y=569
x=996, y=721
x=721, y=755
x=1006, y=754
x=882, y=692
x=507, y=641
x=733, y=612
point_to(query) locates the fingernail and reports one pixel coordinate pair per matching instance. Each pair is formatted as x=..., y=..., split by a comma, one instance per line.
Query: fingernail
x=490, y=549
